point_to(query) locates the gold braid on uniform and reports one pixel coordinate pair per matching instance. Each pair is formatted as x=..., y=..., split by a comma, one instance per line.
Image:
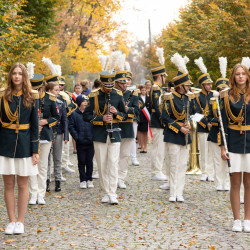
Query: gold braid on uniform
x=177, y=115
x=231, y=117
x=97, y=110
x=205, y=110
x=12, y=117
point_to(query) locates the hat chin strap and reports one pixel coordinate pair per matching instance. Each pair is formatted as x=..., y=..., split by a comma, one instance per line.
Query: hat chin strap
x=123, y=90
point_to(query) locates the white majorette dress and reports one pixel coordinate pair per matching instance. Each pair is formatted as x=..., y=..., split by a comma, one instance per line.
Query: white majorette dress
x=19, y=133
x=236, y=121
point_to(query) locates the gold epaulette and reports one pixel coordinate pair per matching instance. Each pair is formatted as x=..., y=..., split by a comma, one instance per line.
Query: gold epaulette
x=93, y=93
x=197, y=93
x=69, y=93
x=172, y=89
x=212, y=100
x=155, y=87
x=167, y=96
x=119, y=92
x=65, y=97
x=2, y=91
x=52, y=97
x=138, y=91
x=135, y=93
x=190, y=95
x=35, y=94
x=224, y=93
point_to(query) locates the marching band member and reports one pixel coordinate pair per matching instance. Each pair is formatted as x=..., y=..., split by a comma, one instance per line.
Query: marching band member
x=236, y=120
x=220, y=166
x=159, y=77
x=175, y=117
x=66, y=97
x=202, y=106
x=61, y=137
x=19, y=145
x=105, y=109
x=130, y=98
x=49, y=117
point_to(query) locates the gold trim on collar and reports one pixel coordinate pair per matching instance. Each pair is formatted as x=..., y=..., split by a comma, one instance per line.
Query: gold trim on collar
x=159, y=84
x=42, y=95
x=204, y=92
x=19, y=93
x=241, y=91
x=177, y=94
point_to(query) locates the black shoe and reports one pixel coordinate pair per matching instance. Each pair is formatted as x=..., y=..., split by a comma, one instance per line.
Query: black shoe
x=58, y=186
x=47, y=186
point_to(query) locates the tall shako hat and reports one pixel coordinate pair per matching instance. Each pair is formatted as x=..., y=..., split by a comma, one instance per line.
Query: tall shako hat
x=182, y=77
x=246, y=62
x=160, y=70
x=36, y=80
x=205, y=77
x=62, y=80
x=222, y=82
x=128, y=69
x=107, y=79
x=54, y=70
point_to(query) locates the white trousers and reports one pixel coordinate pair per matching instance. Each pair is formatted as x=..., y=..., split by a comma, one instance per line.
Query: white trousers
x=65, y=154
x=220, y=166
x=125, y=148
x=133, y=146
x=177, y=162
x=158, y=151
x=37, y=183
x=206, y=162
x=107, y=158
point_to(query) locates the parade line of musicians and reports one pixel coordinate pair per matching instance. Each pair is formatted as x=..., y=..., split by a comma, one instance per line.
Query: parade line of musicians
x=36, y=116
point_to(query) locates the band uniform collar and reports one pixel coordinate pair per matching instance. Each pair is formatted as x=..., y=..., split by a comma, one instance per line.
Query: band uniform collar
x=19, y=93
x=241, y=91
x=42, y=95
x=204, y=91
x=178, y=94
x=159, y=84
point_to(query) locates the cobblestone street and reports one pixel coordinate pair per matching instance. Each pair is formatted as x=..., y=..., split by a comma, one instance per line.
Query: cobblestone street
x=144, y=219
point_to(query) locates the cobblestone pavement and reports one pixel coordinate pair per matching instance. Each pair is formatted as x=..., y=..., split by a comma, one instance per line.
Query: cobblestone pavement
x=144, y=219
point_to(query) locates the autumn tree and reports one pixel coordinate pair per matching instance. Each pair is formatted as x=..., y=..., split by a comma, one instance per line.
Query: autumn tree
x=208, y=28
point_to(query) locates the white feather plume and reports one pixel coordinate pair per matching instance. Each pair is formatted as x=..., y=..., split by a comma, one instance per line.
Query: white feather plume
x=106, y=66
x=30, y=69
x=179, y=62
x=160, y=55
x=103, y=60
x=199, y=62
x=114, y=59
x=223, y=66
x=58, y=69
x=121, y=61
x=51, y=66
x=186, y=59
x=246, y=61
x=127, y=66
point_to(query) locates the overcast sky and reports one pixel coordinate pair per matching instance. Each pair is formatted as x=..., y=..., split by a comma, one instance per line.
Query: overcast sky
x=160, y=12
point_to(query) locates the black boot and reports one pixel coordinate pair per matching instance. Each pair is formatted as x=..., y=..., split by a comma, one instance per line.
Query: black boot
x=58, y=186
x=47, y=185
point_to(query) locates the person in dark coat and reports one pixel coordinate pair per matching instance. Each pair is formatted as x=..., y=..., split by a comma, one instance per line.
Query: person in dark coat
x=82, y=132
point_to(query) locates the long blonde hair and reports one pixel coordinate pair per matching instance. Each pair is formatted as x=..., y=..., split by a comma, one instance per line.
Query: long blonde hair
x=234, y=94
x=26, y=88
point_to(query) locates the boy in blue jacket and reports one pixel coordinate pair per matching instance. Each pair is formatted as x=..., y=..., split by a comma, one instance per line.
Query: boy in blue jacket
x=82, y=133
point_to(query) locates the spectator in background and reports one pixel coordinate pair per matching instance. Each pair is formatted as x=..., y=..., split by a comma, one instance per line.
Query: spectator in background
x=77, y=91
x=85, y=87
x=82, y=133
x=97, y=84
x=143, y=121
x=148, y=86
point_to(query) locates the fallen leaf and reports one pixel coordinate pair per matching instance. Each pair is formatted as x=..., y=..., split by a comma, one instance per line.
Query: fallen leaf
x=112, y=245
x=9, y=241
x=38, y=231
